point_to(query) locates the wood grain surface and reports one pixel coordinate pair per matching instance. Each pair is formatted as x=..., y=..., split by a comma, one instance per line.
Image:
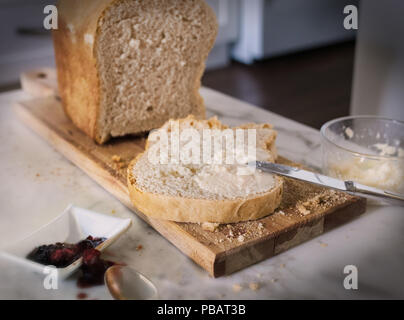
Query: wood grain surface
x=306, y=211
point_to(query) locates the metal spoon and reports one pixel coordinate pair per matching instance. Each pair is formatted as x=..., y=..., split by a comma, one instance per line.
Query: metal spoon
x=125, y=283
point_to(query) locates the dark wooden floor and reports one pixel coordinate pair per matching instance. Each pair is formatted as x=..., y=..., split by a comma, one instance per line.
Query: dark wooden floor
x=311, y=87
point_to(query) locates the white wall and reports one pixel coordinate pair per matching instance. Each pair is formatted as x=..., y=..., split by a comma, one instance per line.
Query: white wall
x=378, y=86
x=227, y=13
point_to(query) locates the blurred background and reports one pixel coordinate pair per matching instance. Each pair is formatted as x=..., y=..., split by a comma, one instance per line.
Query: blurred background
x=292, y=57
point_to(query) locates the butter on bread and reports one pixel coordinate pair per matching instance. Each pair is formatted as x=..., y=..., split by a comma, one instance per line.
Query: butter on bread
x=173, y=191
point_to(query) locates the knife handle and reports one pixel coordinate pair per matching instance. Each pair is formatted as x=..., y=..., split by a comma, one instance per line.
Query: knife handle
x=388, y=196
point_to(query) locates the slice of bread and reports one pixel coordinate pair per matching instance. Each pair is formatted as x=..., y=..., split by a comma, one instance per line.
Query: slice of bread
x=204, y=192
x=127, y=66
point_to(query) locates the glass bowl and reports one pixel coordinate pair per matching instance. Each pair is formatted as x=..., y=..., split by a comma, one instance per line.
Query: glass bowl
x=365, y=149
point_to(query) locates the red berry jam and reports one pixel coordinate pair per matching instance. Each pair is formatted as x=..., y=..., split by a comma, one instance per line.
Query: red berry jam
x=82, y=296
x=93, y=269
x=60, y=254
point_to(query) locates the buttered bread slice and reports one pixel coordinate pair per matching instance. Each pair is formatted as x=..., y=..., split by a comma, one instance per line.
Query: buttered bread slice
x=194, y=171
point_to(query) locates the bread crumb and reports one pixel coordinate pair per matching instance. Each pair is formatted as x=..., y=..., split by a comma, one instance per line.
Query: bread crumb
x=240, y=238
x=319, y=201
x=37, y=175
x=237, y=287
x=139, y=247
x=349, y=132
x=323, y=244
x=119, y=162
x=303, y=210
x=210, y=226
x=121, y=165
x=254, y=286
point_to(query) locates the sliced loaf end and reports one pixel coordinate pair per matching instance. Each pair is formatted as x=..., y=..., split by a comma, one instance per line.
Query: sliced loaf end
x=151, y=56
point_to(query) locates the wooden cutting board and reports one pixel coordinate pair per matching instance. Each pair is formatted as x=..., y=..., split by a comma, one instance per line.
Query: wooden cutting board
x=306, y=210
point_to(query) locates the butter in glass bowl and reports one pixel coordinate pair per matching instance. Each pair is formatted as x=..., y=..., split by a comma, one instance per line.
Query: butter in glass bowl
x=365, y=149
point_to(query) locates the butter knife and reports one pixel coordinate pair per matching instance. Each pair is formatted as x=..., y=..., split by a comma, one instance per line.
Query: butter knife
x=350, y=187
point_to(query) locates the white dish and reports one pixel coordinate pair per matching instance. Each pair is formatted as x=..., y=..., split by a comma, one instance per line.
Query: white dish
x=73, y=225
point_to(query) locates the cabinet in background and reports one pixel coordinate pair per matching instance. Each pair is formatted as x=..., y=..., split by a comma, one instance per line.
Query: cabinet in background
x=275, y=27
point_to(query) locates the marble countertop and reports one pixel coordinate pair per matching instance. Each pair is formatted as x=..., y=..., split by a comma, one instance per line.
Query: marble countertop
x=38, y=183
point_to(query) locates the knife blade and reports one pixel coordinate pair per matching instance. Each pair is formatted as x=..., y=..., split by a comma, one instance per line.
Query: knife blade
x=348, y=186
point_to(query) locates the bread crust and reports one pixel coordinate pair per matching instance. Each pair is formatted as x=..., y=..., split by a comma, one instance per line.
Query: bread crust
x=78, y=79
x=77, y=65
x=182, y=209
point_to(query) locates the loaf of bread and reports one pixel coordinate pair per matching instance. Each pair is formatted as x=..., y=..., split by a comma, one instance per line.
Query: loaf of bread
x=127, y=66
x=187, y=191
